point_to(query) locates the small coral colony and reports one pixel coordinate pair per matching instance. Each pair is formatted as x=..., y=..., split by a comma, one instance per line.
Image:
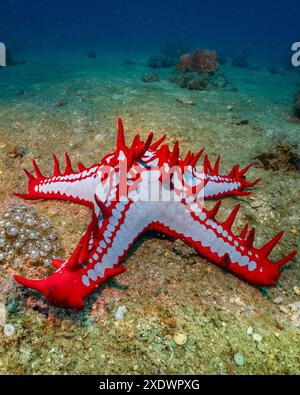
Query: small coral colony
x=117, y=191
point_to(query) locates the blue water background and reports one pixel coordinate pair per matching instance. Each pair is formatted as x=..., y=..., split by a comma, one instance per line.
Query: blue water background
x=265, y=28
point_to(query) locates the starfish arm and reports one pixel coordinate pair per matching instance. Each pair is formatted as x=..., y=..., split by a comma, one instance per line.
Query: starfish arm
x=74, y=186
x=233, y=184
x=97, y=257
x=102, y=249
x=214, y=240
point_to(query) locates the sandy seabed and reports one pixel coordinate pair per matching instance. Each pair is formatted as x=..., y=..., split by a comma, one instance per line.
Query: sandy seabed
x=170, y=295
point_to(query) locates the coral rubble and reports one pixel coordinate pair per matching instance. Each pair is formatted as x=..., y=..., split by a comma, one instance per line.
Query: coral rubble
x=150, y=77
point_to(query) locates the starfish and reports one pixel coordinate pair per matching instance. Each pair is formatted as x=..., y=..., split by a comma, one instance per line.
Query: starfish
x=142, y=187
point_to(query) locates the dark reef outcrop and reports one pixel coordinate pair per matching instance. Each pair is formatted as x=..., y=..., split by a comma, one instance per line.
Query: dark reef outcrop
x=195, y=81
x=150, y=77
x=168, y=55
x=159, y=62
x=198, y=70
x=200, y=61
x=282, y=157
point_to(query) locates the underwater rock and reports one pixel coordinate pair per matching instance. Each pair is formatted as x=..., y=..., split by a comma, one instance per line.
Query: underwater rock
x=173, y=50
x=159, y=62
x=196, y=84
x=189, y=80
x=185, y=62
x=184, y=80
x=25, y=234
x=195, y=81
x=282, y=157
x=217, y=80
x=150, y=77
x=60, y=103
x=201, y=61
x=20, y=92
x=240, y=122
x=204, y=61
x=168, y=55
x=16, y=151
x=184, y=100
x=198, y=71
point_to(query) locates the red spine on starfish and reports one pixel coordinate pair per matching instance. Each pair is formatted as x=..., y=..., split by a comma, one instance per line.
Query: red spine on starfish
x=117, y=190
